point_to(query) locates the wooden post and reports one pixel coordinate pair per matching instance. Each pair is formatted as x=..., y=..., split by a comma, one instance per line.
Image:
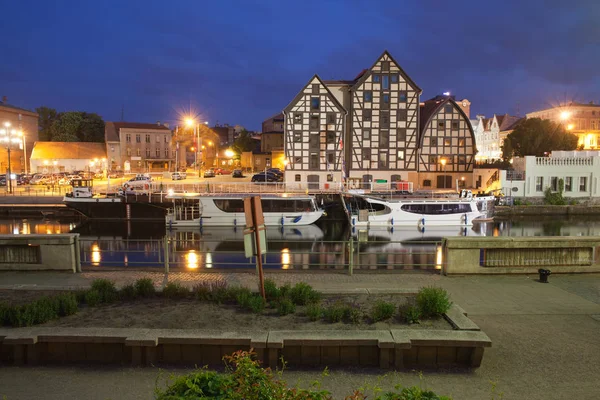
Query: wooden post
x=255, y=221
x=166, y=253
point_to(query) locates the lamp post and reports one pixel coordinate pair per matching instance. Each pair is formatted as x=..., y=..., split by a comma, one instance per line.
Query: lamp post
x=190, y=122
x=10, y=136
x=443, y=162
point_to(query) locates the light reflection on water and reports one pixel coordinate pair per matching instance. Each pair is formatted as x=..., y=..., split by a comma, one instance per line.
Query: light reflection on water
x=135, y=244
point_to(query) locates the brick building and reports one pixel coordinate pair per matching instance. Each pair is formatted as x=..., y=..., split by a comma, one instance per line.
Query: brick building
x=21, y=120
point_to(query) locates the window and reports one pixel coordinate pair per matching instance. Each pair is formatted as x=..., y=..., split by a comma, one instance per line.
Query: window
x=434, y=209
x=297, y=178
x=385, y=101
x=267, y=162
x=376, y=78
x=554, y=184
x=433, y=141
x=138, y=138
x=314, y=161
x=569, y=184
x=366, y=155
x=367, y=114
x=539, y=184
x=329, y=177
x=297, y=137
x=427, y=183
x=384, y=138
x=385, y=82
x=166, y=153
x=462, y=160
x=112, y=149
x=455, y=125
x=366, y=134
x=158, y=139
x=447, y=141
x=314, y=122
x=128, y=151
x=401, y=115
x=330, y=118
x=297, y=160
x=400, y=154
x=593, y=124
x=157, y=152
x=138, y=152
x=441, y=125
x=402, y=96
x=383, y=160
x=368, y=96
x=448, y=108
x=432, y=160
x=330, y=139
x=583, y=184
x=313, y=141
x=394, y=78
x=147, y=138
x=461, y=142
x=401, y=134
x=166, y=139
x=315, y=103
x=147, y=152
x=331, y=157
x=315, y=88
x=385, y=65
x=128, y=138
x=384, y=121
x=297, y=118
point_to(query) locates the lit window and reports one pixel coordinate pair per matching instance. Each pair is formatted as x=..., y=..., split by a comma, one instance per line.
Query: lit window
x=400, y=154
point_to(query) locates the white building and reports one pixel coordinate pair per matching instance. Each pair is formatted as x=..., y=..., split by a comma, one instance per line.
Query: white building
x=52, y=157
x=490, y=134
x=579, y=170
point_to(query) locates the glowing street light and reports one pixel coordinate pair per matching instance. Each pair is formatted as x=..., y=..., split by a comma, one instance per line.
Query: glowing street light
x=10, y=136
x=565, y=115
x=229, y=153
x=443, y=162
x=570, y=127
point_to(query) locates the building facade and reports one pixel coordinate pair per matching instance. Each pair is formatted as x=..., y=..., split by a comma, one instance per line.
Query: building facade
x=53, y=157
x=446, y=145
x=139, y=147
x=314, y=135
x=24, y=121
x=580, y=119
x=490, y=134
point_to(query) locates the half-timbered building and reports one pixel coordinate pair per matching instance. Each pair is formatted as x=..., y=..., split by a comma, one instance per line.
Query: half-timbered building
x=446, y=145
x=314, y=136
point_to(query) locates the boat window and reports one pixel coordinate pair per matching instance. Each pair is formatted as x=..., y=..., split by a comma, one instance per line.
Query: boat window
x=436, y=209
x=230, y=205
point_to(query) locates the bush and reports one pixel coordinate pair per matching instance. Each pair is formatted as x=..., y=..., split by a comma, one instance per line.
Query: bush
x=314, y=311
x=127, y=292
x=284, y=291
x=175, y=290
x=67, y=304
x=433, y=301
x=302, y=294
x=106, y=289
x=271, y=290
x=220, y=293
x=201, y=291
x=3, y=314
x=382, y=310
x=243, y=297
x=352, y=314
x=410, y=313
x=93, y=298
x=144, y=287
x=335, y=312
x=285, y=307
x=256, y=304
x=412, y=393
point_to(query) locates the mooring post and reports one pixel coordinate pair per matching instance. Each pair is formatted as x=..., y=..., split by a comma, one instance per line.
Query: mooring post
x=350, y=256
x=166, y=253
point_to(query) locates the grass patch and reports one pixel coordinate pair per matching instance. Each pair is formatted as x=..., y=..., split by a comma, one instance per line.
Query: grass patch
x=144, y=288
x=175, y=290
x=382, y=310
x=433, y=301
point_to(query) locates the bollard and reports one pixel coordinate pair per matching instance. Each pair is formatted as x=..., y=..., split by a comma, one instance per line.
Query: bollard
x=544, y=273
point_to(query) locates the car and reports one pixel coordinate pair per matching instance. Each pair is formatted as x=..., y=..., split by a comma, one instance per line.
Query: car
x=23, y=179
x=222, y=171
x=42, y=180
x=265, y=177
x=139, y=181
x=275, y=171
x=237, y=173
x=98, y=175
x=178, y=176
x=209, y=173
x=67, y=180
x=115, y=174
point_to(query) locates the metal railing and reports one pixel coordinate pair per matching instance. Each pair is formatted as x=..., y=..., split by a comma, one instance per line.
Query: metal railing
x=192, y=254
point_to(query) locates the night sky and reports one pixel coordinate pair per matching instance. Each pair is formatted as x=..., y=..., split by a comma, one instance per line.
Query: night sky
x=239, y=62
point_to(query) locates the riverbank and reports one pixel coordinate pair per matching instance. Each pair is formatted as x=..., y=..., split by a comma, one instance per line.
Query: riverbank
x=538, y=210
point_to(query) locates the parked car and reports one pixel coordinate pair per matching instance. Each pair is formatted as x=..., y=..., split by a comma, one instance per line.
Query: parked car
x=209, y=173
x=275, y=171
x=178, y=176
x=222, y=171
x=42, y=180
x=23, y=179
x=265, y=177
x=237, y=173
x=98, y=175
x=115, y=174
x=67, y=180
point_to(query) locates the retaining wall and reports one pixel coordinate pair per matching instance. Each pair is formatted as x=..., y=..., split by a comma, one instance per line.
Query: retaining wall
x=40, y=252
x=508, y=255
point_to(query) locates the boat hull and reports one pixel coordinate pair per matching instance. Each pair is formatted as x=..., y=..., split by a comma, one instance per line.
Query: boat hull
x=239, y=219
x=115, y=209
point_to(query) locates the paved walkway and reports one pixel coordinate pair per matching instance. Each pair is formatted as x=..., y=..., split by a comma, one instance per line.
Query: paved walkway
x=546, y=342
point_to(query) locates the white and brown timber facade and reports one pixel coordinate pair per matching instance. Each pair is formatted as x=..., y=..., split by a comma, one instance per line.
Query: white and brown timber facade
x=380, y=138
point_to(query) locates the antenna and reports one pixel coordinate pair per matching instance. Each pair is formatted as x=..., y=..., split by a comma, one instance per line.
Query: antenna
x=122, y=112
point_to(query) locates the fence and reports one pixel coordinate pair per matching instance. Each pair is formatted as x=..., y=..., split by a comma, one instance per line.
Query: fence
x=189, y=253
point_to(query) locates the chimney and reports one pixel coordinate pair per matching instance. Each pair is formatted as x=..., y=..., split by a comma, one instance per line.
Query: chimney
x=4, y=100
x=158, y=123
x=166, y=124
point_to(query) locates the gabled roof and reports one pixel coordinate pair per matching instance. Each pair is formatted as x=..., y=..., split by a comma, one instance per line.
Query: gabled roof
x=301, y=93
x=110, y=132
x=68, y=150
x=366, y=73
x=507, y=122
x=19, y=109
x=430, y=107
x=111, y=129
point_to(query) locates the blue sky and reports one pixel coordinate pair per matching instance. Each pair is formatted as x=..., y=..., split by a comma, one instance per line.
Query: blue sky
x=239, y=62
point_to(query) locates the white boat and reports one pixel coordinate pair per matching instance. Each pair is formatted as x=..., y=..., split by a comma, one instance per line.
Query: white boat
x=197, y=210
x=366, y=211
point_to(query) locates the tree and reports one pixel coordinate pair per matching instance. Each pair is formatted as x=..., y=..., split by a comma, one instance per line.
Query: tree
x=243, y=143
x=47, y=116
x=66, y=127
x=537, y=137
x=91, y=128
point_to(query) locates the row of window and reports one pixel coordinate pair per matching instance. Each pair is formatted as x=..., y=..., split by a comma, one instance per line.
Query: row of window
x=314, y=120
x=437, y=209
x=445, y=141
x=268, y=205
x=449, y=159
x=400, y=135
x=138, y=152
x=384, y=99
x=554, y=183
x=454, y=125
x=138, y=138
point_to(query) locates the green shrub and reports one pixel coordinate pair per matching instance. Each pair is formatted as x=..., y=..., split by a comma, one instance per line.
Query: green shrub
x=271, y=290
x=175, y=290
x=3, y=314
x=221, y=293
x=352, y=314
x=106, y=289
x=410, y=313
x=382, y=310
x=256, y=304
x=433, y=301
x=284, y=290
x=314, y=311
x=285, y=306
x=93, y=298
x=302, y=294
x=412, y=393
x=201, y=291
x=144, y=288
x=243, y=297
x=127, y=292
x=67, y=304
x=335, y=312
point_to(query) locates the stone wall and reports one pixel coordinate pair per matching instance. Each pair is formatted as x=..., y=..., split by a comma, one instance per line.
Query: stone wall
x=40, y=252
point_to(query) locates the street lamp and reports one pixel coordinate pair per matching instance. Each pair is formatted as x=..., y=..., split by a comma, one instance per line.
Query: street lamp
x=565, y=115
x=9, y=137
x=443, y=162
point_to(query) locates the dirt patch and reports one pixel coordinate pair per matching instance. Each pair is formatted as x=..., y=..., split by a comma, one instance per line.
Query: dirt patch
x=191, y=314
x=19, y=297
